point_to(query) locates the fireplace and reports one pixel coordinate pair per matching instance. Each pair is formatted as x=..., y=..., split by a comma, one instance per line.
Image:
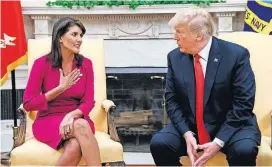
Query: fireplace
x=138, y=96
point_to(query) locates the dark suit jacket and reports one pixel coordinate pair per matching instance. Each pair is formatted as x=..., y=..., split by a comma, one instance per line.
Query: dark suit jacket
x=228, y=96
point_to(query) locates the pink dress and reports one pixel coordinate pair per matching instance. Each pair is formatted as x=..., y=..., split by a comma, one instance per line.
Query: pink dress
x=43, y=78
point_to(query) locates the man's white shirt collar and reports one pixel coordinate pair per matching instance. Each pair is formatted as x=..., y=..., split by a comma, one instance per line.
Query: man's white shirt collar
x=204, y=53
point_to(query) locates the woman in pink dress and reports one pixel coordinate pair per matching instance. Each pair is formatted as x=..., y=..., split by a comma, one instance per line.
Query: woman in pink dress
x=61, y=88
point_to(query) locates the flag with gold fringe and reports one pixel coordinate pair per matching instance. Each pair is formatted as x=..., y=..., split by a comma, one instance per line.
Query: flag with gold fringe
x=258, y=17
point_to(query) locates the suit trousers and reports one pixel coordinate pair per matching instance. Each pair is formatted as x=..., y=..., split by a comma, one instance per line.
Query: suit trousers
x=168, y=145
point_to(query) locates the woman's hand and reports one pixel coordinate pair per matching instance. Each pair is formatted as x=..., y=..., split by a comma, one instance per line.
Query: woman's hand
x=66, y=126
x=68, y=81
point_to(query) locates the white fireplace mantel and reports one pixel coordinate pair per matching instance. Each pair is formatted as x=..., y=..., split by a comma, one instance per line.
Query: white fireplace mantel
x=146, y=22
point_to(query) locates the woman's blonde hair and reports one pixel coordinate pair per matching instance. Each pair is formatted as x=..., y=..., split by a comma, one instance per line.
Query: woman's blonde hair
x=198, y=19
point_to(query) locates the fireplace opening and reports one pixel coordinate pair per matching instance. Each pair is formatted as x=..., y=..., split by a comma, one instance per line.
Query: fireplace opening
x=139, y=106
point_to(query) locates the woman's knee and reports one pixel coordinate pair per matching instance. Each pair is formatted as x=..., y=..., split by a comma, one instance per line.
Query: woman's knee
x=81, y=124
x=82, y=127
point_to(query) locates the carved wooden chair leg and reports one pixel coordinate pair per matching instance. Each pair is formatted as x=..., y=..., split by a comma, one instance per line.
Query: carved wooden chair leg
x=117, y=164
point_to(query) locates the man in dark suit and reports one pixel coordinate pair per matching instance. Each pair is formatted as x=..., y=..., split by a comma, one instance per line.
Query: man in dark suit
x=210, y=92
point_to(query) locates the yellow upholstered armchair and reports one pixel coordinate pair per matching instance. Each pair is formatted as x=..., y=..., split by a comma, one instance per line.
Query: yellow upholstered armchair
x=260, y=48
x=28, y=151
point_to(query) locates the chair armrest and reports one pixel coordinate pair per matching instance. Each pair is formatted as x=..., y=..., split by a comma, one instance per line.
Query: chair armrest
x=18, y=136
x=20, y=132
x=107, y=105
x=110, y=107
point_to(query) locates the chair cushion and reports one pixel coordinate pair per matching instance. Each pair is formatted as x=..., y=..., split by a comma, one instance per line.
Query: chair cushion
x=218, y=160
x=110, y=151
x=265, y=153
x=33, y=152
x=264, y=157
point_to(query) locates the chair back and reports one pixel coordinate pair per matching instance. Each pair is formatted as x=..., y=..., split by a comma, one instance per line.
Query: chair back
x=260, y=48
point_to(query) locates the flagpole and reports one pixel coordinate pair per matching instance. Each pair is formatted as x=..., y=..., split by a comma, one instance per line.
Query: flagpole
x=14, y=109
x=14, y=106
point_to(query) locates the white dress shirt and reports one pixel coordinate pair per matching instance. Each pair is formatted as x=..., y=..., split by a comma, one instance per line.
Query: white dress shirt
x=204, y=55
